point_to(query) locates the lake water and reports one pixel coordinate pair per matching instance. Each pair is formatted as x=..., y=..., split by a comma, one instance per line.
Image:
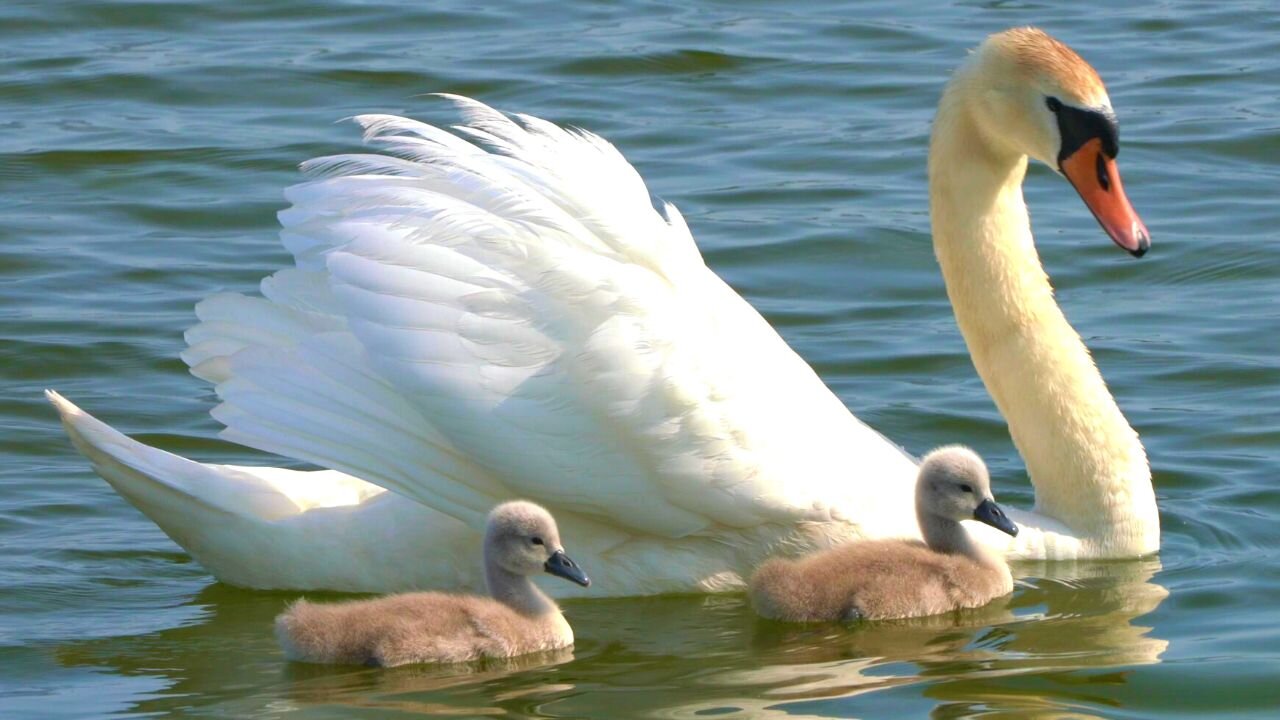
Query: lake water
x=143, y=150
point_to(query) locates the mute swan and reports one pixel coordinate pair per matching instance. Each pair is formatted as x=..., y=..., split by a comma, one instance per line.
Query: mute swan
x=464, y=326
x=520, y=540
x=882, y=579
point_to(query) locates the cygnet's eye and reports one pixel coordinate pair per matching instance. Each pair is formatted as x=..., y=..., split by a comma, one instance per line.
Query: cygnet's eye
x=536, y=540
x=966, y=488
x=1054, y=104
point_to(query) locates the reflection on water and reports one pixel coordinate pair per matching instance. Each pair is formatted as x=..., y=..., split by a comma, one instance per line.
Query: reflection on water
x=424, y=689
x=1069, y=636
x=1081, y=619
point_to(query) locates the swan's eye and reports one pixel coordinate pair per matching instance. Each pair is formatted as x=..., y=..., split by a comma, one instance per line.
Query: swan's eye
x=1054, y=104
x=536, y=541
x=966, y=488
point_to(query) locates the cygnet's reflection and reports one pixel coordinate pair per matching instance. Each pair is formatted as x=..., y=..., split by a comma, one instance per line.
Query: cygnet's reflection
x=1075, y=616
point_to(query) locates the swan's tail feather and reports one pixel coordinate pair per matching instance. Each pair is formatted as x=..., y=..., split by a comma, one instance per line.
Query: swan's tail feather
x=162, y=484
x=267, y=527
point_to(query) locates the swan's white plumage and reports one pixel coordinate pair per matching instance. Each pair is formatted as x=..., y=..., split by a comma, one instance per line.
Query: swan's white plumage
x=464, y=326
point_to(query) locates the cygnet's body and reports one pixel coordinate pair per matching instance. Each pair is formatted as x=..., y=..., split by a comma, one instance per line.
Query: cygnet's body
x=881, y=579
x=521, y=540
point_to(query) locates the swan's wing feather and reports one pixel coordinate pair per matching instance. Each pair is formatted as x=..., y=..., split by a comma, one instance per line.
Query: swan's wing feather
x=527, y=312
x=312, y=396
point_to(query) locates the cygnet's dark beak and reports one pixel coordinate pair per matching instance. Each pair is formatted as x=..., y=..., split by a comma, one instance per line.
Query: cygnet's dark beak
x=990, y=513
x=560, y=565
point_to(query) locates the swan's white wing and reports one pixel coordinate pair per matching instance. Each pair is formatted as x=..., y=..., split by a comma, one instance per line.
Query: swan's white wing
x=466, y=325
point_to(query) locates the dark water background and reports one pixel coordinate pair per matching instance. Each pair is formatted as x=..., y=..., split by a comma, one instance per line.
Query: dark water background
x=143, y=148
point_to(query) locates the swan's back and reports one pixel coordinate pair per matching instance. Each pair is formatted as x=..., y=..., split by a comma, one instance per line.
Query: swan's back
x=877, y=579
x=415, y=628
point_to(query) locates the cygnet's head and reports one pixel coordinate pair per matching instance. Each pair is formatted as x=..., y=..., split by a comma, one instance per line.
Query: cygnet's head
x=522, y=538
x=953, y=484
x=1030, y=94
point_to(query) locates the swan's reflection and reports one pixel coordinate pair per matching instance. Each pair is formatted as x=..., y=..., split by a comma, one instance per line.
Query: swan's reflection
x=681, y=656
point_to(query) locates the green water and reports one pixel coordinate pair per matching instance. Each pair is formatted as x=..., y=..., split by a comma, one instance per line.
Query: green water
x=143, y=148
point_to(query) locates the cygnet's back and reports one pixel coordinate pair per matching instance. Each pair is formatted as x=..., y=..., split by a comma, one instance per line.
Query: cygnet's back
x=521, y=540
x=880, y=579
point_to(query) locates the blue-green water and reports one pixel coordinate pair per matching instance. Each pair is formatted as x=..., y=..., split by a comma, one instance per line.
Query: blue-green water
x=143, y=149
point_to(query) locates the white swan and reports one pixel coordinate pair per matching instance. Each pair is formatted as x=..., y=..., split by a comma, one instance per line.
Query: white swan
x=464, y=326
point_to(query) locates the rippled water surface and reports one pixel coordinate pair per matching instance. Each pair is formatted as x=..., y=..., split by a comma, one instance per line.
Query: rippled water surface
x=143, y=149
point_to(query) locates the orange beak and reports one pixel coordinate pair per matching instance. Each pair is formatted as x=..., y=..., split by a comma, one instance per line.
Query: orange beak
x=1097, y=179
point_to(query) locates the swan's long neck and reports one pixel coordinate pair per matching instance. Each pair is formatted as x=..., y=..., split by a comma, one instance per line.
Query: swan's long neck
x=1088, y=467
x=514, y=590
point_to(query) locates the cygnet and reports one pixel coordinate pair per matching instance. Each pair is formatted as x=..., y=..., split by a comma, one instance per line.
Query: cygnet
x=521, y=540
x=880, y=579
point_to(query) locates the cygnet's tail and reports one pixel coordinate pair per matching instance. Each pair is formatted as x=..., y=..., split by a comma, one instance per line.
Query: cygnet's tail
x=775, y=592
x=800, y=591
x=333, y=633
x=296, y=632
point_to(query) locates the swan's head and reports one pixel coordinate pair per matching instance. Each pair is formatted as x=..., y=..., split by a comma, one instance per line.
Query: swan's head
x=522, y=538
x=953, y=483
x=1030, y=94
